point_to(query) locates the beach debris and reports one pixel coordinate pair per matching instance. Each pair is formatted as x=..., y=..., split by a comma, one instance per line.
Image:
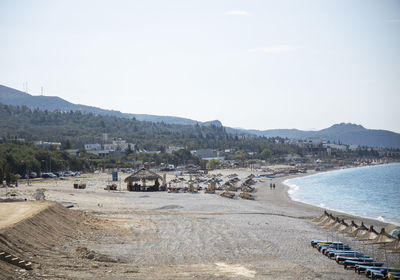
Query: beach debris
x=79, y=185
x=246, y=195
x=111, y=187
x=84, y=252
x=191, y=188
x=211, y=187
x=227, y=194
x=39, y=194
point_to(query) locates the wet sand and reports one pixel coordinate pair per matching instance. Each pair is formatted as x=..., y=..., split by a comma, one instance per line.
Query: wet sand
x=163, y=235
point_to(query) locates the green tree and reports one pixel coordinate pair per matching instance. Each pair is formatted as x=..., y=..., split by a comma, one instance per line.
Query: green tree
x=266, y=154
x=240, y=155
x=213, y=164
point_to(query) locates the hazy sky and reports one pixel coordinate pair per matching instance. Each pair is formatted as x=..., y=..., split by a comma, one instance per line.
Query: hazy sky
x=251, y=64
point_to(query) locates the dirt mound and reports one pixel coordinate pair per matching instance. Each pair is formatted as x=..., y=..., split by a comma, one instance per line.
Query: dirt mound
x=43, y=225
x=84, y=252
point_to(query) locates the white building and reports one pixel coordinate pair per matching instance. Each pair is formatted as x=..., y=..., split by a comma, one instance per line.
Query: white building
x=314, y=141
x=353, y=147
x=172, y=149
x=119, y=145
x=92, y=147
x=336, y=147
x=48, y=145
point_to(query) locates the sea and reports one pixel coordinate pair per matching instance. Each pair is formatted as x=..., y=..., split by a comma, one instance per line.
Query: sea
x=371, y=192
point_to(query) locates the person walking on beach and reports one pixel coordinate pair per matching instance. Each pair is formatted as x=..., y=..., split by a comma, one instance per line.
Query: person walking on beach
x=273, y=186
x=270, y=186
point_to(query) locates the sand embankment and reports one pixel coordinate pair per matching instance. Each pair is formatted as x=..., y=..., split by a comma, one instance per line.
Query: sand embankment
x=27, y=228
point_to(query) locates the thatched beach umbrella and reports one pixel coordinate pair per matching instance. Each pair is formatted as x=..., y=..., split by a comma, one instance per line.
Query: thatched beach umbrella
x=332, y=224
x=330, y=218
x=359, y=231
x=393, y=246
x=320, y=218
x=142, y=175
x=366, y=235
x=342, y=226
x=339, y=224
x=369, y=235
x=349, y=229
x=382, y=238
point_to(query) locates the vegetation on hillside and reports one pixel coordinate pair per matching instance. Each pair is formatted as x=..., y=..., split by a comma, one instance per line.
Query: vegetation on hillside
x=74, y=129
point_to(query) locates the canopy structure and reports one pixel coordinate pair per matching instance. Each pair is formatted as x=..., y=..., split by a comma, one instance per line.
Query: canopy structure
x=338, y=227
x=143, y=175
x=349, y=229
x=393, y=246
x=320, y=218
x=331, y=223
x=369, y=235
x=359, y=231
x=328, y=219
x=382, y=238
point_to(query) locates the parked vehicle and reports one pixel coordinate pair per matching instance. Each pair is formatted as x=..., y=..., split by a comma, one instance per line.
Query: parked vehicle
x=49, y=175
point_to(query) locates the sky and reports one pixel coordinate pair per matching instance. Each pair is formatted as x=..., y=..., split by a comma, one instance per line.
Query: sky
x=251, y=64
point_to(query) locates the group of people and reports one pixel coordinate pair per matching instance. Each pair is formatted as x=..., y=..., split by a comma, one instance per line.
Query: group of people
x=272, y=186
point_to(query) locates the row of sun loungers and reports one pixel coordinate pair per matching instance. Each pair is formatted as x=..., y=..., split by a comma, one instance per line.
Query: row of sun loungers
x=351, y=259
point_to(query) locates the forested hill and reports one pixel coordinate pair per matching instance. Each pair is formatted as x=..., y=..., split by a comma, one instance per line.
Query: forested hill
x=76, y=129
x=339, y=133
x=10, y=96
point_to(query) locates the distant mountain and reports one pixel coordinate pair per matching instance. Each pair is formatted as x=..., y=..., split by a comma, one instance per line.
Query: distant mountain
x=10, y=96
x=343, y=133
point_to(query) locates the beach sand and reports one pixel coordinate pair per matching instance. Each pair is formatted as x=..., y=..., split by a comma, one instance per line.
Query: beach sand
x=160, y=235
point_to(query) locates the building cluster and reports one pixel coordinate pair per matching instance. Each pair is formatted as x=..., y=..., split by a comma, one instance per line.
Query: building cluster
x=48, y=145
x=117, y=147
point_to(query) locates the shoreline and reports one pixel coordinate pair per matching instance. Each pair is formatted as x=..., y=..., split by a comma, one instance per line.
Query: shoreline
x=343, y=215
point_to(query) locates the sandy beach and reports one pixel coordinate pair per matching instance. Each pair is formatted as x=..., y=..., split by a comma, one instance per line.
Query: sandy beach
x=160, y=235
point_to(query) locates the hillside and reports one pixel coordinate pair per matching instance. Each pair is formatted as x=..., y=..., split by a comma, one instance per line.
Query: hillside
x=76, y=129
x=343, y=133
x=10, y=96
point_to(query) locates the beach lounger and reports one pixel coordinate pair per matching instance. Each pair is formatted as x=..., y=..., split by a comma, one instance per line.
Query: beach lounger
x=346, y=254
x=381, y=275
x=342, y=259
x=367, y=268
x=352, y=264
x=334, y=243
x=380, y=272
x=327, y=250
x=323, y=249
x=314, y=243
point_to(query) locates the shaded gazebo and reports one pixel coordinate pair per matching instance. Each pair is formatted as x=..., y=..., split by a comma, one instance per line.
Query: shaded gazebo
x=137, y=181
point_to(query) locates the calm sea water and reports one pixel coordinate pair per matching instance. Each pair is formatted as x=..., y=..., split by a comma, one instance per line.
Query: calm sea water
x=370, y=192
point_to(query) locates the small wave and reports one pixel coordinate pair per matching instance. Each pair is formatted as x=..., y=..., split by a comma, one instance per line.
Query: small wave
x=322, y=205
x=381, y=219
x=292, y=188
